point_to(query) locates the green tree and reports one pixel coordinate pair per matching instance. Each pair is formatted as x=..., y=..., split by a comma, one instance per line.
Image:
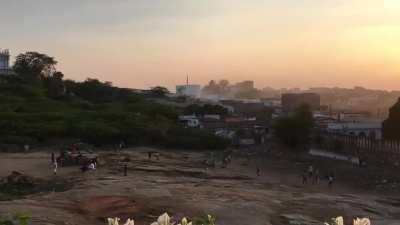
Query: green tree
x=295, y=130
x=55, y=85
x=34, y=66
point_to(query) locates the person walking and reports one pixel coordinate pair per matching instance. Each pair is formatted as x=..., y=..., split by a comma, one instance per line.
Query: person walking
x=258, y=171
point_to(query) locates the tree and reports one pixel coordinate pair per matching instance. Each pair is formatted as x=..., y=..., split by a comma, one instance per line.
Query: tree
x=34, y=66
x=159, y=91
x=211, y=88
x=223, y=86
x=295, y=130
x=55, y=85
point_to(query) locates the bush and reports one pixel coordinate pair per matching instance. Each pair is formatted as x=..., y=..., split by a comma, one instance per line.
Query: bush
x=194, y=139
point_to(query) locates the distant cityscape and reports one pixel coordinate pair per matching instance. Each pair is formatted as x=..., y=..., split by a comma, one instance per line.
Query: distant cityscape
x=375, y=103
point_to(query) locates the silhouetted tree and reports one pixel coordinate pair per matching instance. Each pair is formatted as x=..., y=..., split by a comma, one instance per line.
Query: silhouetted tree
x=159, y=91
x=295, y=130
x=34, y=66
x=55, y=85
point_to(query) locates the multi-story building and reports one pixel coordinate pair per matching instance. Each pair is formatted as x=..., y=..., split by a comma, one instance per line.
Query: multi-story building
x=4, y=61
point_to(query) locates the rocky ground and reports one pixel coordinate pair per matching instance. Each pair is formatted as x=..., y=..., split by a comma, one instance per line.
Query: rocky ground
x=182, y=184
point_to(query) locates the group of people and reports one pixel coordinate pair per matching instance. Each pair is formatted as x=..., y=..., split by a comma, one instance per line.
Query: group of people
x=155, y=154
x=313, y=176
x=90, y=165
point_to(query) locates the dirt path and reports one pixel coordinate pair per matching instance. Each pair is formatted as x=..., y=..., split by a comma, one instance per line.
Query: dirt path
x=182, y=185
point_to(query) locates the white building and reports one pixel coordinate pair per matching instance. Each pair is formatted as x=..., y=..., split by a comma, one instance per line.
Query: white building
x=359, y=129
x=189, y=121
x=189, y=90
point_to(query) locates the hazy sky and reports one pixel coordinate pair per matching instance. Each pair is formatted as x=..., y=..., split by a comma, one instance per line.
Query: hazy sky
x=281, y=43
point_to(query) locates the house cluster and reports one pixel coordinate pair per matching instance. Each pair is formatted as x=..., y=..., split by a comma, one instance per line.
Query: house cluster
x=245, y=123
x=357, y=124
x=248, y=120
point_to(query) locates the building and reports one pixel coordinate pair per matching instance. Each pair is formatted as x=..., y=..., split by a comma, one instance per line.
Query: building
x=354, y=116
x=292, y=101
x=241, y=88
x=245, y=85
x=371, y=129
x=190, y=121
x=189, y=90
x=272, y=102
x=4, y=61
x=246, y=108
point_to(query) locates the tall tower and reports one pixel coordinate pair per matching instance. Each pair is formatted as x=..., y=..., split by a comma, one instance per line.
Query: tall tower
x=4, y=61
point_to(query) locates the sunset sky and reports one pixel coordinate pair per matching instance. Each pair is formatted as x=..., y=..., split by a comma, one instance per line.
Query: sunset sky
x=281, y=43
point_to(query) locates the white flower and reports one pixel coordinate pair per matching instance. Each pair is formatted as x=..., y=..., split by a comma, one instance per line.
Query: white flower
x=113, y=221
x=130, y=222
x=338, y=221
x=363, y=221
x=185, y=222
x=164, y=219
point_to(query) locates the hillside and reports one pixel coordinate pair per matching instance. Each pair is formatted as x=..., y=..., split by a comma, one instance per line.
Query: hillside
x=37, y=105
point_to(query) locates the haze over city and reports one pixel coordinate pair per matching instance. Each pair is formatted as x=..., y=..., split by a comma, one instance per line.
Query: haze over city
x=143, y=43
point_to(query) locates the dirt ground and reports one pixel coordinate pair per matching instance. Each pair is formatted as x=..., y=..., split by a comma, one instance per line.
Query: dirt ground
x=181, y=184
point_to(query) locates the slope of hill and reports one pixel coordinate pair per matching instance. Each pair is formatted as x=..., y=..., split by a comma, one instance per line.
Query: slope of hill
x=37, y=106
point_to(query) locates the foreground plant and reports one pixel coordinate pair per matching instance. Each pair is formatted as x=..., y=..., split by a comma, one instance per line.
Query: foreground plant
x=164, y=219
x=19, y=219
x=358, y=221
x=115, y=221
x=185, y=222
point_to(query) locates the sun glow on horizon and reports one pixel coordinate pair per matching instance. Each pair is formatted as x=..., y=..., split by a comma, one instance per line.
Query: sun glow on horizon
x=276, y=43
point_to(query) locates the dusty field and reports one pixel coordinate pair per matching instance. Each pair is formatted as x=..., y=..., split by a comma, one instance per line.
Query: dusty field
x=180, y=184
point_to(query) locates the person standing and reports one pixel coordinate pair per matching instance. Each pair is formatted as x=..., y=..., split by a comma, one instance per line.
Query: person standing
x=304, y=178
x=258, y=171
x=317, y=177
x=55, y=167
x=331, y=178
x=310, y=171
x=125, y=170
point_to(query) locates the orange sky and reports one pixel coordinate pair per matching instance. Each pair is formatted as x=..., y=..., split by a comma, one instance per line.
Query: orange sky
x=283, y=43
